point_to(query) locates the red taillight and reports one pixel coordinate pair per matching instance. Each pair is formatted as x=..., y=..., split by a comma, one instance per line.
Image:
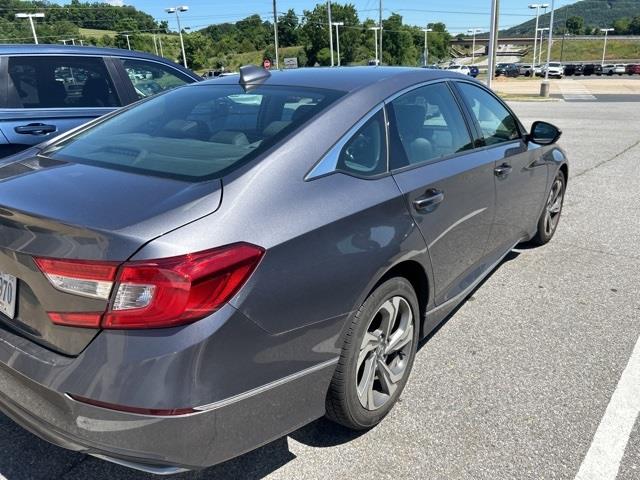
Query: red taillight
x=156, y=293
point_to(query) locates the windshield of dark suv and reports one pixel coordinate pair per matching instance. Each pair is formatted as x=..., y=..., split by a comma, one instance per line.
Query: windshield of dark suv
x=195, y=133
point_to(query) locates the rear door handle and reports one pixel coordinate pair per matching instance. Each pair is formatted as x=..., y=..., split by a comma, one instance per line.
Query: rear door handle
x=429, y=201
x=503, y=170
x=35, y=129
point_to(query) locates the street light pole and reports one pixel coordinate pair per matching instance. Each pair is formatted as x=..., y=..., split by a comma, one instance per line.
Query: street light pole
x=473, y=48
x=536, y=7
x=31, y=16
x=275, y=32
x=541, y=30
x=606, y=34
x=330, y=30
x=375, y=41
x=493, y=40
x=338, y=24
x=550, y=41
x=425, y=56
x=177, y=11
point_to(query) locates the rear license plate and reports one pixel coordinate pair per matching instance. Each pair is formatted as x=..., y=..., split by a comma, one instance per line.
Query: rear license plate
x=8, y=294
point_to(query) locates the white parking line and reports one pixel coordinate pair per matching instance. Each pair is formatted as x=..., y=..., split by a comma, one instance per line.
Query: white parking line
x=610, y=441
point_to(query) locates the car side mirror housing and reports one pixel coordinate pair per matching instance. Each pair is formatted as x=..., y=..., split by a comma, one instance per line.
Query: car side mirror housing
x=543, y=133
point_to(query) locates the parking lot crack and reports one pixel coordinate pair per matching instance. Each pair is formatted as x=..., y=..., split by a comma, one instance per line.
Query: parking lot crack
x=604, y=162
x=73, y=467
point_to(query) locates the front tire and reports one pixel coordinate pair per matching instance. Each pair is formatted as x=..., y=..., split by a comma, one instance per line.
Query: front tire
x=377, y=356
x=550, y=217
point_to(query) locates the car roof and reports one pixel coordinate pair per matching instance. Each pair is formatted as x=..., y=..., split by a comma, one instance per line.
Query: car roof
x=346, y=79
x=51, y=49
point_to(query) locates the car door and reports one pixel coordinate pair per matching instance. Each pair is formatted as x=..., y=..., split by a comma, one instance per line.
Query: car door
x=143, y=78
x=519, y=169
x=448, y=186
x=50, y=94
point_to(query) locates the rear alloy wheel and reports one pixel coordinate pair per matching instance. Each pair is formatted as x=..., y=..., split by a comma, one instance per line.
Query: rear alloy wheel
x=548, y=222
x=377, y=356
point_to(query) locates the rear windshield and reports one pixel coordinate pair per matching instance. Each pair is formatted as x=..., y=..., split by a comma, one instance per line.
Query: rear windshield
x=195, y=133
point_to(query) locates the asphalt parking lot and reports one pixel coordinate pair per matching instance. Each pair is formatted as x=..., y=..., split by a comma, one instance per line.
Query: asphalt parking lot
x=517, y=381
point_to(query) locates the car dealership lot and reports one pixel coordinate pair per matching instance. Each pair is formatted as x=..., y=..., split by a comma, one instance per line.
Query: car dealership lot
x=516, y=382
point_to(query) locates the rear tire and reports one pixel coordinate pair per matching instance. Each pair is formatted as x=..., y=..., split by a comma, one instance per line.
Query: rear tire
x=377, y=356
x=550, y=217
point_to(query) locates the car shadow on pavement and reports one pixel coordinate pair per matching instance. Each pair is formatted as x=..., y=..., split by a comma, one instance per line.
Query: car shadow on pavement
x=24, y=456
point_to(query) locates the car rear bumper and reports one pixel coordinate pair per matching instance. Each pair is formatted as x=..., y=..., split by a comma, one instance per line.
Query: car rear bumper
x=38, y=396
x=167, y=445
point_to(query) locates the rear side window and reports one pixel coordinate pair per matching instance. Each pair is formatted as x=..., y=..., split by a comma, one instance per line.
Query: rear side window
x=60, y=82
x=149, y=78
x=427, y=125
x=195, y=133
x=497, y=125
x=365, y=154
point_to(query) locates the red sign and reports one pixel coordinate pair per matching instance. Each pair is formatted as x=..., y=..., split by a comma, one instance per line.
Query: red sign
x=266, y=64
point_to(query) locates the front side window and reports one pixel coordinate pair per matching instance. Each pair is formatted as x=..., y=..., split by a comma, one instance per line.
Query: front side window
x=60, y=82
x=194, y=133
x=497, y=125
x=149, y=78
x=428, y=126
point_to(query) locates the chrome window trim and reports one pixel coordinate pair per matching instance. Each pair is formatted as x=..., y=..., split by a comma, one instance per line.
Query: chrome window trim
x=329, y=162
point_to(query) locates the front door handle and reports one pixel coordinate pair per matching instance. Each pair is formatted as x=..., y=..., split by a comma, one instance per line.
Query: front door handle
x=429, y=201
x=503, y=170
x=35, y=129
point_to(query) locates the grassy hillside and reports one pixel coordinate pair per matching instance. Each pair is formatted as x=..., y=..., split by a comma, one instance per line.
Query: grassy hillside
x=596, y=13
x=591, y=50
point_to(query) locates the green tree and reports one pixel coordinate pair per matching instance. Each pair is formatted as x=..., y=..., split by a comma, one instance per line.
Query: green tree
x=198, y=48
x=622, y=26
x=288, y=29
x=315, y=32
x=575, y=25
x=634, y=26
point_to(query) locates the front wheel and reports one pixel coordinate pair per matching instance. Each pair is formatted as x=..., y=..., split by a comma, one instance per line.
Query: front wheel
x=377, y=356
x=550, y=217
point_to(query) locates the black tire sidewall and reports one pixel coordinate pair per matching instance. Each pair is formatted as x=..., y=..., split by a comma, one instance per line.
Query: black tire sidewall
x=542, y=237
x=359, y=416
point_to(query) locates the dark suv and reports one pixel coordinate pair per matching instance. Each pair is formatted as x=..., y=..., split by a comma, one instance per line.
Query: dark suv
x=508, y=70
x=46, y=90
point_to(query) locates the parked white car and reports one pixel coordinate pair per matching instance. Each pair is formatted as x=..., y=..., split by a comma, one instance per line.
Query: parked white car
x=612, y=69
x=555, y=70
x=463, y=69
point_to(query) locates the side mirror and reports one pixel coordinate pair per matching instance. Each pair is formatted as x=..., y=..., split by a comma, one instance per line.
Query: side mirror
x=544, y=133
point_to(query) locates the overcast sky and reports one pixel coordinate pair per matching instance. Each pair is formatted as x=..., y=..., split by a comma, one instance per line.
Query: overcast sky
x=457, y=15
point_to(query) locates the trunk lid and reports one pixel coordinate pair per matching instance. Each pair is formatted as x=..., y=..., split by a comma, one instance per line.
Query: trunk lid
x=63, y=210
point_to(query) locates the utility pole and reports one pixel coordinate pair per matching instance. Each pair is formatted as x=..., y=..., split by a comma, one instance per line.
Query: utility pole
x=338, y=24
x=425, y=55
x=330, y=30
x=275, y=32
x=128, y=43
x=380, y=25
x=493, y=40
x=375, y=41
x=606, y=34
x=31, y=16
x=177, y=11
x=155, y=43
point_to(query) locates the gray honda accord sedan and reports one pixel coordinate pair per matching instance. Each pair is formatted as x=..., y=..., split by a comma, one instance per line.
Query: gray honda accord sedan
x=207, y=270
